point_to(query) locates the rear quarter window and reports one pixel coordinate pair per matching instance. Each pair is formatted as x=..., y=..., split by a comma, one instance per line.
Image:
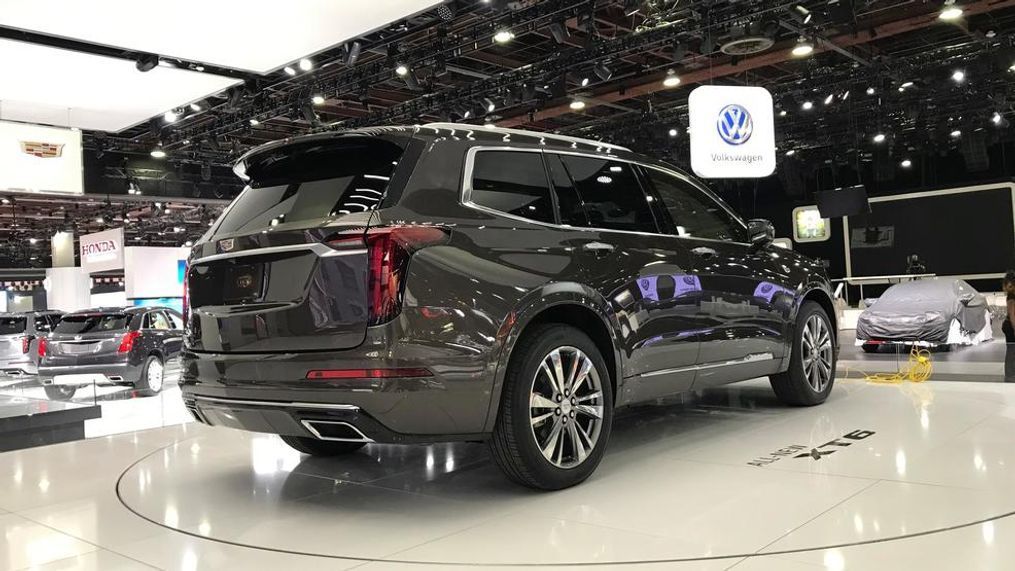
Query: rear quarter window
x=12, y=325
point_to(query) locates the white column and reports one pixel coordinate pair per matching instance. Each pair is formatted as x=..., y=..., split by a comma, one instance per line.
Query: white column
x=62, y=245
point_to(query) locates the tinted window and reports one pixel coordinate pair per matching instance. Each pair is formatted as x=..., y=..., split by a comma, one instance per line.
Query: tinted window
x=12, y=325
x=512, y=182
x=612, y=196
x=694, y=213
x=42, y=324
x=572, y=211
x=158, y=320
x=76, y=324
x=307, y=184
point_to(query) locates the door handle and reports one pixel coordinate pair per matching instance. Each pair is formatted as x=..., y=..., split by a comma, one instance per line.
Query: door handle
x=598, y=247
x=703, y=252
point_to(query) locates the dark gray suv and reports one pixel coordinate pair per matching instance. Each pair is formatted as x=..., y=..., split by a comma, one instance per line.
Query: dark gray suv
x=451, y=282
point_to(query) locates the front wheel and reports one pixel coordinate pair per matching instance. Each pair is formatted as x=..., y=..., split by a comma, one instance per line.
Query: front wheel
x=811, y=373
x=556, y=409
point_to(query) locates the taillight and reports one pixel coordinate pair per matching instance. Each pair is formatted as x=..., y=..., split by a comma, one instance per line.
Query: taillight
x=127, y=343
x=388, y=252
x=43, y=346
x=186, y=294
x=26, y=344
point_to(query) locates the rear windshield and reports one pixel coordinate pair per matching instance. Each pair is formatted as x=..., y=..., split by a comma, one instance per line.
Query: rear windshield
x=92, y=323
x=312, y=183
x=12, y=325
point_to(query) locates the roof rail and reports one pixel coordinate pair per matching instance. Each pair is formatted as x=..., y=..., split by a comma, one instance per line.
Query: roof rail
x=554, y=136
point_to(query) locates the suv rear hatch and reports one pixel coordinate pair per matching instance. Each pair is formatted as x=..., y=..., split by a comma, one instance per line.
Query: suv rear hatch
x=14, y=341
x=85, y=339
x=277, y=272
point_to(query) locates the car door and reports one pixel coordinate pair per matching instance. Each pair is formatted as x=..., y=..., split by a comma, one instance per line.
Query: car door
x=644, y=274
x=746, y=293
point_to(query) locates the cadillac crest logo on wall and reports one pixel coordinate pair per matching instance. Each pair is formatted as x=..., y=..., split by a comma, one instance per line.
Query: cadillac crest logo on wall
x=41, y=149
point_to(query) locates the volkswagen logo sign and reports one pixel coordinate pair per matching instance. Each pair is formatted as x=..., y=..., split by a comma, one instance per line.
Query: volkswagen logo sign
x=735, y=124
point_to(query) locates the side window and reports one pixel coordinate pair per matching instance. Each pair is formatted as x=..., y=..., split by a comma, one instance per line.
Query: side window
x=513, y=182
x=572, y=211
x=693, y=213
x=175, y=322
x=159, y=321
x=611, y=193
x=42, y=324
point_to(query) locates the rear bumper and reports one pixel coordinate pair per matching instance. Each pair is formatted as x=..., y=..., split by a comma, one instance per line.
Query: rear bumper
x=18, y=367
x=271, y=392
x=81, y=375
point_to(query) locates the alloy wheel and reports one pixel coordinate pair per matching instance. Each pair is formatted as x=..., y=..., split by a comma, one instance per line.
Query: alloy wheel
x=155, y=375
x=817, y=353
x=566, y=407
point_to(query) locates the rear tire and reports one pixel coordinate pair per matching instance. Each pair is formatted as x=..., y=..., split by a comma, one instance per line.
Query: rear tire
x=152, y=376
x=811, y=373
x=556, y=409
x=316, y=447
x=59, y=392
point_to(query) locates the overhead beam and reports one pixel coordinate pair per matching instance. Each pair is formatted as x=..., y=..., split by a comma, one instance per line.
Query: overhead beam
x=773, y=57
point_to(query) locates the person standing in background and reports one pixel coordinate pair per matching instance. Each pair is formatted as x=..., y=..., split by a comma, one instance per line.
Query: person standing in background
x=1008, y=327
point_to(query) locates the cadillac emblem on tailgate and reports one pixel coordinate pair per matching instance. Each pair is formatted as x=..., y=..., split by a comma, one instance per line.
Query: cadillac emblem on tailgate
x=227, y=245
x=41, y=150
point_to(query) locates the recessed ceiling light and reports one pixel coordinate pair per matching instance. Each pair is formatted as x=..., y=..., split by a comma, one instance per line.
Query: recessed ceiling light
x=195, y=107
x=674, y=132
x=790, y=152
x=158, y=154
x=906, y=163
x=577, y=105
x=306, y=65
x=870, y=91
x=254, y=121
x=782, y=113
x=950, y=12
x=503, y=36
x=672, y=80
x=289, y=70
x=959, y=76
x=996, y=118
x=803, y=48
x=317, y=99
x=956, y=134
x=879, y=138
x=402, y=69
x=807, y=106
x=170, y=116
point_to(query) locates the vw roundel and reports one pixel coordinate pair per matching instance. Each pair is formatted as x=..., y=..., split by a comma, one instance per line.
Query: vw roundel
x=735, y=125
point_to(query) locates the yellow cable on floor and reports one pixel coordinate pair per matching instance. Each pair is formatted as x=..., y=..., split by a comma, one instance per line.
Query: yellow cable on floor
x=918, y=371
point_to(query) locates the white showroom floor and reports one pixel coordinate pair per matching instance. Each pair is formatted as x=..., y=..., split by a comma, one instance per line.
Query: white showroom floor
x=882, y=476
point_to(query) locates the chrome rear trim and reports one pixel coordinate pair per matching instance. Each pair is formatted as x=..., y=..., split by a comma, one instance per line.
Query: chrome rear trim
x=309, y=425
x=321, y=250
x=753, y=358
x=277, y=404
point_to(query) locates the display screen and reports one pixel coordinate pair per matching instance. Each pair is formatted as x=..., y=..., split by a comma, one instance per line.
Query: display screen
x=175, y=303
x=848, y=201
x=809, y=225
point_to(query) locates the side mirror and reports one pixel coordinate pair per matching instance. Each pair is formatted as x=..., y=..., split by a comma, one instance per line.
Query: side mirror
x=761, y=231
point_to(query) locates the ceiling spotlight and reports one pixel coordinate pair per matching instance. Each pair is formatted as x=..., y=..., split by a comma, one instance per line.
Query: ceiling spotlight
x=672, y=80
x=807, y=106
x=956, y=134
x=845, y=95
x=782, y=113
x=402, y=70
x=828, y=100
x=879, y=138
x=790, y=152
x=171, y=116
x=577, y=105
x=559, y=32
x=585, y=81
x=604, y=73
x=674, y=132
x=996, y=118
x=959, y=76
x=5, y=200
x=33, y=240
x=317, y=99
x=100, y=220
x=870, y=91
x=803, y=48
x=188, y=243
x=489, y=105
x=289, y=70
x=950, y=12
x=195, y=107
x=906, y=85
x=503, y=36
x=306, y=64
x=158, y=153
x=906, y=163
x=147, y=62
x=254, y=122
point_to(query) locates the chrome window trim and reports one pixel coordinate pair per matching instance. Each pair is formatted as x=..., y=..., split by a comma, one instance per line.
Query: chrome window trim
x=752, y=358
x=466, y=193
x=321, y=250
